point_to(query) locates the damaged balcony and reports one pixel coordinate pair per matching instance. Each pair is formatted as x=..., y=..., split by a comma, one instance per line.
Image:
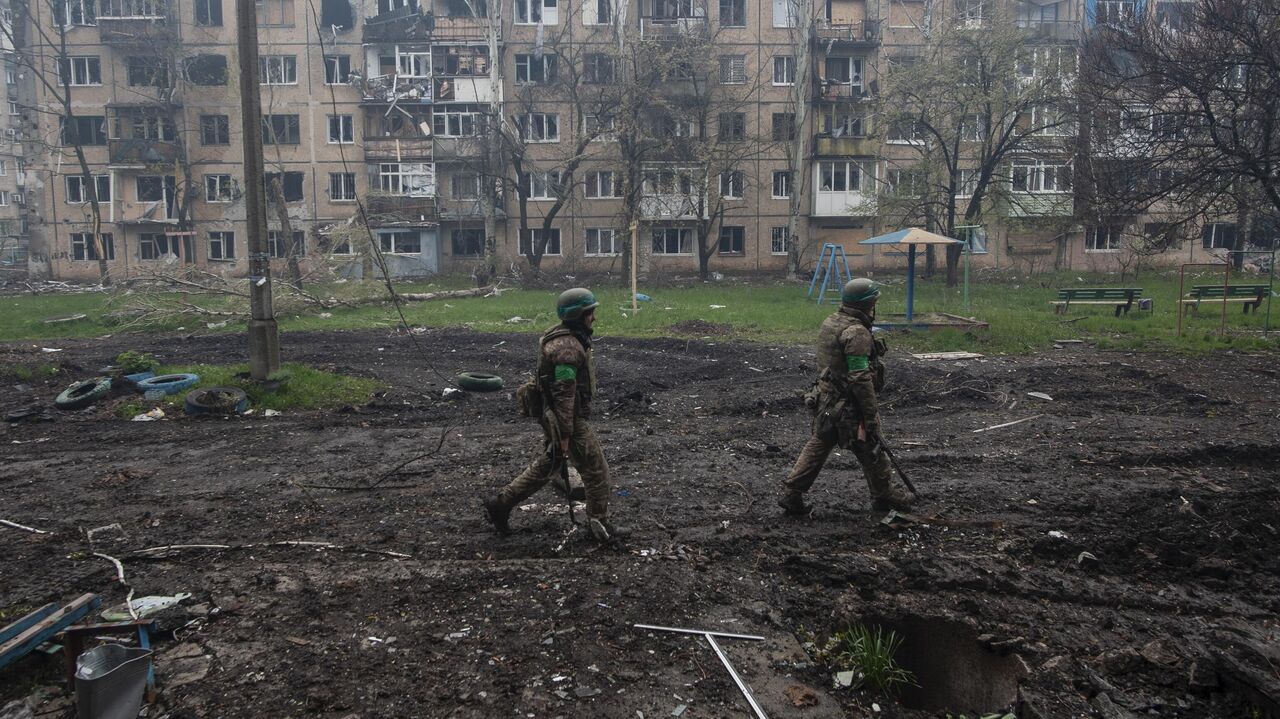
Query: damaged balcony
x=463, y=28
x=383, y=89
x=673, y=28
x=402, y=24
x=393, y=210
x=134, y=23
x=459, y=210
x=398, y=149
x=141, y=153
x=458, y=149
x=846, y=34
x=828, y=145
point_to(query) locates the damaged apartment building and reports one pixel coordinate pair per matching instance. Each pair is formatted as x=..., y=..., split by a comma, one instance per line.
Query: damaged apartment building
x=391, y=102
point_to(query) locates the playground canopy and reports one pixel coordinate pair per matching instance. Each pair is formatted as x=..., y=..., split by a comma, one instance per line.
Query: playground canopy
x=911, y=237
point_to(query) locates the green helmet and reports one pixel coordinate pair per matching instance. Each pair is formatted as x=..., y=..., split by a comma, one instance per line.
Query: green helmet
x=574, y=303
x=860, y=290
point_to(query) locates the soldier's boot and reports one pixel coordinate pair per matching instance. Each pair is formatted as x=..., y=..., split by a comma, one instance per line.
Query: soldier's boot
x=604, y=530
x=884, y=496
x=893, y=498
x=498, y=512
x=793, y=504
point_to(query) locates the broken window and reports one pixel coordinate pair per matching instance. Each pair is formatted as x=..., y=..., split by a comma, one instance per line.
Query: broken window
x=291, y=185
x=275, y=12
x=277, y=248
x=157, y=245
x=457, y=120
x=218, y=188
x=84, y=131
x=672, y=241
x=455, y=60
x=844, y=71
x=1102, y=238
x=83, y=247
x=207, y=70
x=732, y=184
x=598, y=69
x=400, y=242
x=281, y=130
x=467, y=241
x=414, y=179
x=388, y=6
x=75, y=12
x=145, y=126
x=413, y=63
x=536, y=70
x=534, y=238
x=732, y=240
x=784, y=126
x=539, y=127
x=222, y=245
x=337, y=69
x=399, y=123
x=78, y=190
x=209, y=13
x=215, y=130
x=157, y=188
x=733, y=127
x=342, y=129
x=336, y=14
x=536, y=12
x=143, y=9
x=147, y=72
x=278, y=69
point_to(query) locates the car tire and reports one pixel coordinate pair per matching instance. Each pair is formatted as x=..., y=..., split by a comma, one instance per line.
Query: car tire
x=169, y=383
x=216, y=400
x=480, y=382
x=83, y=393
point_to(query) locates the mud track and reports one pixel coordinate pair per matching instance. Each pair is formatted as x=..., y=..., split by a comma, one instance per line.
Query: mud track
x=1161, y=468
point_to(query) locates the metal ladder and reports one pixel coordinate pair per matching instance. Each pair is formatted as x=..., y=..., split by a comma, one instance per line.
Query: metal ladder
x=831, y=261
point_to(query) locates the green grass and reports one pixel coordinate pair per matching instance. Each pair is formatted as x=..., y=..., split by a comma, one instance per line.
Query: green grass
x=773, y=311
x=304, y=388
x=869, y=653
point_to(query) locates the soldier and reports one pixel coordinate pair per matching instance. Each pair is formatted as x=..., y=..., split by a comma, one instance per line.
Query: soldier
x=566, y=380
x=851, y=372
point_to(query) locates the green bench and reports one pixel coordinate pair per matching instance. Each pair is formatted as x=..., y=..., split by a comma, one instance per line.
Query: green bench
x=1122, y=297
x=1250, y=295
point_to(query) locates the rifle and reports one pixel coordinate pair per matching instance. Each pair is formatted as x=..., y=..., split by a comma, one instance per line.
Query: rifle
x=893, y=461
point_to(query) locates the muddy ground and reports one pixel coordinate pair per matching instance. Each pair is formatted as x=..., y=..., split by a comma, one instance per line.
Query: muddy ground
x=1161, y=468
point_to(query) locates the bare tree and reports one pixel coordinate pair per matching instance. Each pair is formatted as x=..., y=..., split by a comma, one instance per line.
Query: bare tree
x=1185, y=101
x=976, y=94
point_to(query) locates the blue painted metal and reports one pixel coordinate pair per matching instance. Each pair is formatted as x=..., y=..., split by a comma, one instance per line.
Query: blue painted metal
x=144, y=641
x=831, y=261
x=911, y=281
x=26, y=622
x=44, y=629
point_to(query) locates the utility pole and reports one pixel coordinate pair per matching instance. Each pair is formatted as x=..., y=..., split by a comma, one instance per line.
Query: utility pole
x=264, y=337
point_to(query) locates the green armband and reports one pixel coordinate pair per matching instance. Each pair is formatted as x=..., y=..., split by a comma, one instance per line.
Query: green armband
x=568, y=373
x=856, y=362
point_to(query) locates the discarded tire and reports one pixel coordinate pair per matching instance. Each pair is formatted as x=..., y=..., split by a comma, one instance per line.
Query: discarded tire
x=217, y=400
x=169, y=383
x=479, y=382
x=83, y=393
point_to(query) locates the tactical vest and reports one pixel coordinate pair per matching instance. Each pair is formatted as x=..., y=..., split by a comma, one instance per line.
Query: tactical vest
x=586, y=387
x=831, y=354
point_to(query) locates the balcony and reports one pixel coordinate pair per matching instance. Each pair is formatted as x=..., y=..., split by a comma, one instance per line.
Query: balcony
x=397, y=149
x=847, y=34
x=673, y=28
x=669, y=207
x=142, y=153
x=1039, y=204
x=835, y=91
x=387, y=210
x=463, y=28
x=152, y=32
x=828, y=146
x=383, y=89
x=458, y=149
x=1052, y=31
x=463, y=210
x=400, y=25
x=843, y=204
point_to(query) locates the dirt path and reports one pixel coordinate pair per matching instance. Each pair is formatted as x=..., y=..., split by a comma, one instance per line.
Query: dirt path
x=1161, y=468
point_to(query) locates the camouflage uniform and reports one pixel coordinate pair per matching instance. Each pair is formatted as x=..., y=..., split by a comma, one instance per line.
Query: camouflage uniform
x=567, y=376
x=851, y=372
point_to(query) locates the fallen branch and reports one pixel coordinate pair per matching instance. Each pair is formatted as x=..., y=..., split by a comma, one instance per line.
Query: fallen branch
x=443, y=295
x=1008, y=424
x=23, y=527
x=171, y=549
x=128, y=600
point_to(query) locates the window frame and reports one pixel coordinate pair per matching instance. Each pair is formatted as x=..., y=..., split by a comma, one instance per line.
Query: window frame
x=472, y=234
x=83, y=241
x=346, y=127
x=526, y=241
x=334, y=74
x=787, y=184
x=79, y=182
x=733, y=181
x=389, y=242
x=537, y=127
x=292, y=130
x=342, y=181
x=287, y=65
x=788, y=70
x=615, y=241
x=733, y=69
x=275, y=251
x=778, y=239
x=219, y=124
x=90, y=64
x=536, y=71
x=393, y=179
x=219, y=188
x=224, y=241
x=1110, y=235
x=601, y=185
x=683, y=237
x=735, y=130
x=736, y=235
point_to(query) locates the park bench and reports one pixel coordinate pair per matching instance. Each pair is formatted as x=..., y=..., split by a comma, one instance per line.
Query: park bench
x=1250, y=295
x=1122, y=297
